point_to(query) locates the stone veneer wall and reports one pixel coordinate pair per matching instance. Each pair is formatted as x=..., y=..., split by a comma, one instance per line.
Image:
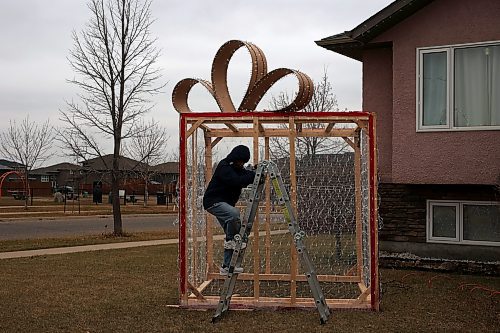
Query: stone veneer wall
x=402, y=207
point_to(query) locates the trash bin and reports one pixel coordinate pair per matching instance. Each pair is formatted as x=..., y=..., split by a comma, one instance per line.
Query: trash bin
x=161, y=198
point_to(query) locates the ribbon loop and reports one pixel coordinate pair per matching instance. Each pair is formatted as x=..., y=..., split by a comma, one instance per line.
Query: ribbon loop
x=260, y=82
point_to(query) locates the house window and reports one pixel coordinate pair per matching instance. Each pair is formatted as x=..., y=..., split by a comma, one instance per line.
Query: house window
x=45, y=179
x=463, y=222
x=457, y=87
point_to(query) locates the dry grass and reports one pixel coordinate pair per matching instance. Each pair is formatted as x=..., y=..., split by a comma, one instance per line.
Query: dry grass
x=128, y=291
x=45, y=243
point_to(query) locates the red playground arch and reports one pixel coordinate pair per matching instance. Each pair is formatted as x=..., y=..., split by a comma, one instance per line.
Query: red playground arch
x=5, y=175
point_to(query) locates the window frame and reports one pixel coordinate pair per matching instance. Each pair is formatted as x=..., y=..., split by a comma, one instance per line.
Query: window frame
x=450, y=70
x=44, y=178
x=459, y=239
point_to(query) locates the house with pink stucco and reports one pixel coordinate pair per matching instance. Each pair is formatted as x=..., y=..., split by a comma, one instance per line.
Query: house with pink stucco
x=431, y=73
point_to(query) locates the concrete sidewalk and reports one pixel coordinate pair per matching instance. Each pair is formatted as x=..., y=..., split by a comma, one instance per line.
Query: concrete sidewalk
x=108, y=246
x=84, y=248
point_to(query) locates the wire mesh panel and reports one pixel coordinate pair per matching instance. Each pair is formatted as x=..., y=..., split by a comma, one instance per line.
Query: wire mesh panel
x=326, y=161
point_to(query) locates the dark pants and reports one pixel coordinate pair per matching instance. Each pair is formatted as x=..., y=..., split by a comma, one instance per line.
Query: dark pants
x=229, y=219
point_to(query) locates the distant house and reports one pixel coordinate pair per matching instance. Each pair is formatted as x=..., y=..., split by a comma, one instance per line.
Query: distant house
x=61, y=174
x=431, y=72
x=13, y=183
x=4, y=169
x=6, y=166
x=166, y=173
x=96, y=171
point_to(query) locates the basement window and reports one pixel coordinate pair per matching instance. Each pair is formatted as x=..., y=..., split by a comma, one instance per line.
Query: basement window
x=463, y=222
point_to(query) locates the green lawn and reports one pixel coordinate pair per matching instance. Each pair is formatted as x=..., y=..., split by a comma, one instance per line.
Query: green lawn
x=128, y=291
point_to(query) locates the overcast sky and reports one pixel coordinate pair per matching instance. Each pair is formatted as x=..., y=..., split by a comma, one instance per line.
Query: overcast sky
x=35, y=40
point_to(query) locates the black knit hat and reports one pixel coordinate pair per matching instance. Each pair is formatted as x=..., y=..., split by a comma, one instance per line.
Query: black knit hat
x=239, y=153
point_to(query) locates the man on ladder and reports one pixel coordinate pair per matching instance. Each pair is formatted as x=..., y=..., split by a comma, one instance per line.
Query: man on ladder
x=232, y=267
x=221, y=195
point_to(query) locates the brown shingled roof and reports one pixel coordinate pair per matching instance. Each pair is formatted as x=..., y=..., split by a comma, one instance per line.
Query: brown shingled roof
x=351, y=43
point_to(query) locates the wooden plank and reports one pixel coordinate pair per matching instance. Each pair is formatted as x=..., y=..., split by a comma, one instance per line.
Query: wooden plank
x=194, y=184
x=358, y=205
x=268, y=212
x=255, y=241
x=293, y=198
x=329, y=128
x=195, y=292
x=261, y=128
x=299, y=118
x=208, y=217
x=275, y=132
x=288, y=277
x=365, y=293
x=193, y=128
x=350, y=143
x=204, y=285
x=232, y=127
x=241, y=303
x=214, y=143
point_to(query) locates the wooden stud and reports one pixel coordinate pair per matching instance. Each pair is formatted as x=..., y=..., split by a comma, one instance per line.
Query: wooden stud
x=209, y=218
x=358, y=205
x=293, y=198
x=268, y=211
x=194, y=189
x=256, y=255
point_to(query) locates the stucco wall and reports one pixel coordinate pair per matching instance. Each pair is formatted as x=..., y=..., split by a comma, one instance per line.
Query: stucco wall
x=377, y=97
x=460, y=157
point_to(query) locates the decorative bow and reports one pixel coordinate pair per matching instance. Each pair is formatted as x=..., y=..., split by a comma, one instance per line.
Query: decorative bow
x=260, y=82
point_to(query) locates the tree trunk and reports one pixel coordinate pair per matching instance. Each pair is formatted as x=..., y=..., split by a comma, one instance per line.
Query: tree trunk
x=115, y=186
x=26, y=188
x=146, y=193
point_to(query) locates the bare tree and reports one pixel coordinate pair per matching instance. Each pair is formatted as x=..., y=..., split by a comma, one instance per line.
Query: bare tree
x=28, y=144
x=114, y=58
x=148, y=147
x=323, y=99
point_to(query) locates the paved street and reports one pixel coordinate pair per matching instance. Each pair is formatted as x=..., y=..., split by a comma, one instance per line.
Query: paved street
x=74, y=226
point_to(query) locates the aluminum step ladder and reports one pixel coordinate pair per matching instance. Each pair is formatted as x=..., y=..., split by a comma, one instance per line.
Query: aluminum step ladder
x=265, y=169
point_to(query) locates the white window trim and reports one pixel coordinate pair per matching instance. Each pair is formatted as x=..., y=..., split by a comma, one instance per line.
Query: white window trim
x=47, y=179
x=450, y=98
x=459, y=222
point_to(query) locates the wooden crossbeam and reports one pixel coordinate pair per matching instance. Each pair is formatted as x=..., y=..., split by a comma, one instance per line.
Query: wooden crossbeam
x=288, y=277
x=272, y=132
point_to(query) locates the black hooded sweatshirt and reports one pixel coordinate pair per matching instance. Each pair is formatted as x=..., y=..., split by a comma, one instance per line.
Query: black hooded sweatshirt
x=227, y=181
